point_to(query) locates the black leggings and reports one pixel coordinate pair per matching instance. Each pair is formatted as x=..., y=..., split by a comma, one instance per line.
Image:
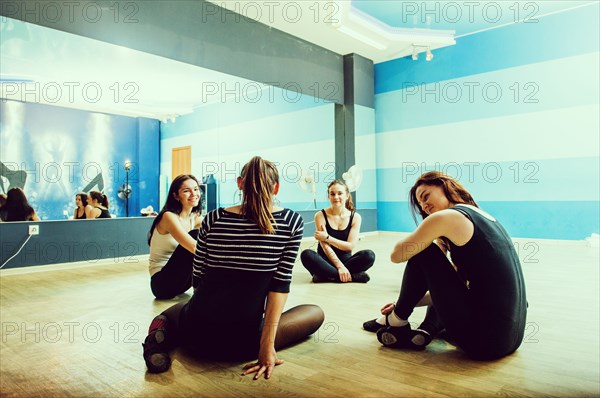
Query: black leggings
x=295, y=325
x=317, y=265
x=176, y=276
x=454, y=308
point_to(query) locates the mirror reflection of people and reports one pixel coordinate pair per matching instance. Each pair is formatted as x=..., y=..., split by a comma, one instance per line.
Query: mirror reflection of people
x=2, y=203
x=242, y=274
x=337, y=230
x=17, y=207
x=99, y=205
x=461, y=264
x=172, y=238
x=82, y=207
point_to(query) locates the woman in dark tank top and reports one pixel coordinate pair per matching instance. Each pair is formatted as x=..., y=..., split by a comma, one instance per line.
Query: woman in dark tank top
x=99, y=205
x=463, y=265
x=82, y=208
x=337, y=229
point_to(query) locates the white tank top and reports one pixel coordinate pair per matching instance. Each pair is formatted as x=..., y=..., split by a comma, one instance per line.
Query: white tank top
x=161, y=249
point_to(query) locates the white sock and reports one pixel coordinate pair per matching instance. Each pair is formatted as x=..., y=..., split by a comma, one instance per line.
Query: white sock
x=393, y=319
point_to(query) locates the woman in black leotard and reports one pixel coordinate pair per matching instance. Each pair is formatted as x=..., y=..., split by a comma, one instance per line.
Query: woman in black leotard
x=463, y=265
x=337, y=229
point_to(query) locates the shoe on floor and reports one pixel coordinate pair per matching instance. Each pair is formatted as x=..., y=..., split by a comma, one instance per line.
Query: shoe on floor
x=373, y=326
x=361, y=277
x=156, y=353
x=403, y=337
x=321, y=279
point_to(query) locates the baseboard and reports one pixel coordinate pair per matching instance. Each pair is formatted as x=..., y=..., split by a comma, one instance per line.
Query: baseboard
x=76, y=264
x=144, y=257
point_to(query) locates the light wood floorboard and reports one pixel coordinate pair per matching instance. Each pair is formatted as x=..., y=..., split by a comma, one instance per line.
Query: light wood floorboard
x=77, y=331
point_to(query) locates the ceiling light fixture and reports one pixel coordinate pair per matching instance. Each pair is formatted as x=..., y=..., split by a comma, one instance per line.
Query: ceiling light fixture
x=415, y=54
x=420, y=47
x=428, y=54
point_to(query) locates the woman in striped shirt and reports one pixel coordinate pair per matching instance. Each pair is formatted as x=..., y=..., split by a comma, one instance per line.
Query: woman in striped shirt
x=242, y=274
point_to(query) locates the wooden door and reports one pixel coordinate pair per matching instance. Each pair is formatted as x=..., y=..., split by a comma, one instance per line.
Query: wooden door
x=181, y=161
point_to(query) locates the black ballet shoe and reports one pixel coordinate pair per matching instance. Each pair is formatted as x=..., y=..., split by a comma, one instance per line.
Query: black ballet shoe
x=321, y=279
x=361, y=277
x=373, y=326
x=402, y=337
x=156, y=353
x=444, y=335
x=420, y=339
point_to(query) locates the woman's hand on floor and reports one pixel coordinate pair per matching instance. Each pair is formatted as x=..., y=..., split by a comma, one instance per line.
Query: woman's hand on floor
x=267, y=361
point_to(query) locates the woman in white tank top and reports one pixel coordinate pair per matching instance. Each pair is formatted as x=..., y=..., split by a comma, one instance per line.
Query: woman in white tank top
x=172, y=238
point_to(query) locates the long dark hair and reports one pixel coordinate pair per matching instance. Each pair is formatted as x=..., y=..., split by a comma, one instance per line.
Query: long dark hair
x=83, y=197
x=100, y=198
x=259, y=177
x=17, y=207
x=349, y=204
x=172, y=204
x=454, y=191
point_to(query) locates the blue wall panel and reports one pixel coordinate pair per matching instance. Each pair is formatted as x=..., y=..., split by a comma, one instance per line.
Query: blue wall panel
x=530, y=156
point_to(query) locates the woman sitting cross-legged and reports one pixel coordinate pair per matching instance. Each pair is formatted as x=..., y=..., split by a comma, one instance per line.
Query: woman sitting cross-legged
x=242, y=275
x=337, y=229
x=463, y=265
x=172, y=238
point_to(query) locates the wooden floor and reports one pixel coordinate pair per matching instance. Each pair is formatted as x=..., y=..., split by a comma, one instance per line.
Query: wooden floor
x=77, y=332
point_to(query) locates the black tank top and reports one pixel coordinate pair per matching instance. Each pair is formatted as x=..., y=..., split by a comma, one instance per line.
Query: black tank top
x=338, y=234
x=104, y=213
x=83, y=216
x=490, y=263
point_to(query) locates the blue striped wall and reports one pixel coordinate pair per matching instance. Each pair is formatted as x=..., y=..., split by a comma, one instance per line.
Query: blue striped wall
x=512, y=112
x=365, y=151
x=297, y=132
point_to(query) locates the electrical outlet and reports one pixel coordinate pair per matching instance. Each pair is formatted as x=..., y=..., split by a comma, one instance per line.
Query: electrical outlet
x=34, y=230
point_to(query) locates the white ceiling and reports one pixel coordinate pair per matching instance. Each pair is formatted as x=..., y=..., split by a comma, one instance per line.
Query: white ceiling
x=341, y=28
x=382, y=30
x=77, y=72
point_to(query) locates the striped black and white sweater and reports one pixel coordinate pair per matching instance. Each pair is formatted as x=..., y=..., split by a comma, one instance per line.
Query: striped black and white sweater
x=228, y=242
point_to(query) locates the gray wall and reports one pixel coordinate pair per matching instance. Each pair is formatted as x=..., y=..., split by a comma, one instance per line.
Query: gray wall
x=199, y=33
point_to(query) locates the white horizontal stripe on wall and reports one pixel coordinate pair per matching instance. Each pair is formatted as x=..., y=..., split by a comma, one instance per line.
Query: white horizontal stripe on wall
x=561, y=133
x=305, y=125
x=560, y=83
x=365, y=157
